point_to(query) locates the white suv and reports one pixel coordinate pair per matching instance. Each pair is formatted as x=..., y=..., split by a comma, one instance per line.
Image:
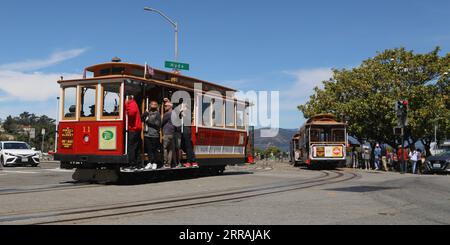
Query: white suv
x=14, y=152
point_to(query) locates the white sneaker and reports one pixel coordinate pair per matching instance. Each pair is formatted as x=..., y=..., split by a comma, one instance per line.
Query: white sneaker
x=154, y=166
x=149, y=166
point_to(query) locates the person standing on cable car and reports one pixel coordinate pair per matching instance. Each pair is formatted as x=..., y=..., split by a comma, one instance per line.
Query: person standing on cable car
x=169, y=135
x=152, y=120
x=134, y=130
x=186, y=136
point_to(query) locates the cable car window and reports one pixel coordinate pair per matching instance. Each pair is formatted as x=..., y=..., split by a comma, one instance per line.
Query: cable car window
x=70, y=102
x=111, y=100
x=105, y=72
x=206, y=114
x=138, y=72
x=217, y=114
x=118, y=70
x=317, y=135
x=230, y=114
x=240, y=116
x=338, y=135
x=88, y=98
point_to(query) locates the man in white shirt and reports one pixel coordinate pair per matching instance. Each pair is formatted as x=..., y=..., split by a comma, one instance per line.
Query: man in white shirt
x=414, y=157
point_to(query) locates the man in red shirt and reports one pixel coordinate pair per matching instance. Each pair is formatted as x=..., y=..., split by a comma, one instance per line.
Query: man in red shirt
x=403, y=158
x=134, y=130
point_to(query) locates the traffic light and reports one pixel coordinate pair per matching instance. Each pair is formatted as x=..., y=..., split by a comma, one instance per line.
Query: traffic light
x=402, y=112
x=399, y=109
x=405, y=107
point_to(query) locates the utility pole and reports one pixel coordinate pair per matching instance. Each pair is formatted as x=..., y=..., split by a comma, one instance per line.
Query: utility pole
x=435, y=133
x=43, y=139
x=173, y=23
x=402, y=115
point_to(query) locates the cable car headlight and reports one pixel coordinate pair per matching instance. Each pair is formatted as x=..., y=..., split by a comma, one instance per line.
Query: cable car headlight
x=86, y=139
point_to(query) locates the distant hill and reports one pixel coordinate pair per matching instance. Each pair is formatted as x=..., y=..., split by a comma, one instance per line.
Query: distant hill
x=282, y=140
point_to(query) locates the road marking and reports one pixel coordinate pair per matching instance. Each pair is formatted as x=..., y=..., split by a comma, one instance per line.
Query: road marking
x=19, y=172
x=59, y=170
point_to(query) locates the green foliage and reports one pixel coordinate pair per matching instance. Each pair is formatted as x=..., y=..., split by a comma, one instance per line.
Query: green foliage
x=272, y=149
x=10, y=125
x=365, y=96
x=259, y=151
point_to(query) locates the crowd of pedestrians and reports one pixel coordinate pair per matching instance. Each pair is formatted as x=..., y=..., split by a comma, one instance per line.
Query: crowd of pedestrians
x=382, y=158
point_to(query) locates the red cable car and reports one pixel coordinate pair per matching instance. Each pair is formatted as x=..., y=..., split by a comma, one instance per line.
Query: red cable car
x=92, y=124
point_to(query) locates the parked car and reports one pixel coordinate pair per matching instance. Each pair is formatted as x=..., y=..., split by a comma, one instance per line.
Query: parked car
x=18, y=153
x=439, y=163
x=436, y=149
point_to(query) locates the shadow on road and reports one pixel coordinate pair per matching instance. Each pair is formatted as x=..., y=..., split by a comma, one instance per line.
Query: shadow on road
x=362, y=189
x=152, y=177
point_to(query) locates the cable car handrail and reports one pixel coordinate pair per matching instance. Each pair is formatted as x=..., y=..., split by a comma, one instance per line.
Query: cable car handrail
x=126, y=133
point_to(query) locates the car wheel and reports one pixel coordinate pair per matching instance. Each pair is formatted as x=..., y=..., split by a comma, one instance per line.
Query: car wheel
x=2, y=164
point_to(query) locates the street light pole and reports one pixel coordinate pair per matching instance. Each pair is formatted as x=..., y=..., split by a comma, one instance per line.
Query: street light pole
x=173, y=23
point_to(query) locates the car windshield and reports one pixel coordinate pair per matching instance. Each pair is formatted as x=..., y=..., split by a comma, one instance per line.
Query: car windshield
x=445, y=152
x=16, y=146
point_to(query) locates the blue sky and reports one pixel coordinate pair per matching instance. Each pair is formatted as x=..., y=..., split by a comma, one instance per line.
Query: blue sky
x=283, y=45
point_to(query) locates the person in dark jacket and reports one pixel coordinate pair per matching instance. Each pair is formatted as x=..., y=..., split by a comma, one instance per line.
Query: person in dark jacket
x=134, y=130
x=169, y=138
x=152, y=142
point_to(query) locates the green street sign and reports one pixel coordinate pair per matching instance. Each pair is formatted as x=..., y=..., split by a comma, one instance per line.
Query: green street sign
x=177, y=66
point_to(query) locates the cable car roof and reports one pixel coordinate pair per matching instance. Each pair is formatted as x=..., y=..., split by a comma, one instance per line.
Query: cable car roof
x=324, y=119
x=136, y=70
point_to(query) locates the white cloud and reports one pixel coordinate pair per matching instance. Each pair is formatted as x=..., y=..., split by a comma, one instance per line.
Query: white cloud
x=19, y=84
x=32, y=65
x=299, y=92
x=305, y=82
x=30, y=86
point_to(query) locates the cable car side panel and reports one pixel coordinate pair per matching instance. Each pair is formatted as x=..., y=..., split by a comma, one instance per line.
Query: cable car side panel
x=91, y=142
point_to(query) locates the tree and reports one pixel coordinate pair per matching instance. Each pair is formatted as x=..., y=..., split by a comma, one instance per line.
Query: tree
x=272, y=150
x=365, y=96
x=10, y=125
x=259, y=151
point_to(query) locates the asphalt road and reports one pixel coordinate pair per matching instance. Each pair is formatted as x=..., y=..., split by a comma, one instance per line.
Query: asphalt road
x=276, y=194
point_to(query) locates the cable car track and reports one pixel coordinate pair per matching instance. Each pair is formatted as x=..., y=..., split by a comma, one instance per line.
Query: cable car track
x=74, y=186
x=62, y=187
x=231, y=190
x=117, y=210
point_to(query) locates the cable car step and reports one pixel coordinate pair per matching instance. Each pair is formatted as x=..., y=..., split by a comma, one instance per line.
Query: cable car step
x=127, y=170
x=102, y=176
